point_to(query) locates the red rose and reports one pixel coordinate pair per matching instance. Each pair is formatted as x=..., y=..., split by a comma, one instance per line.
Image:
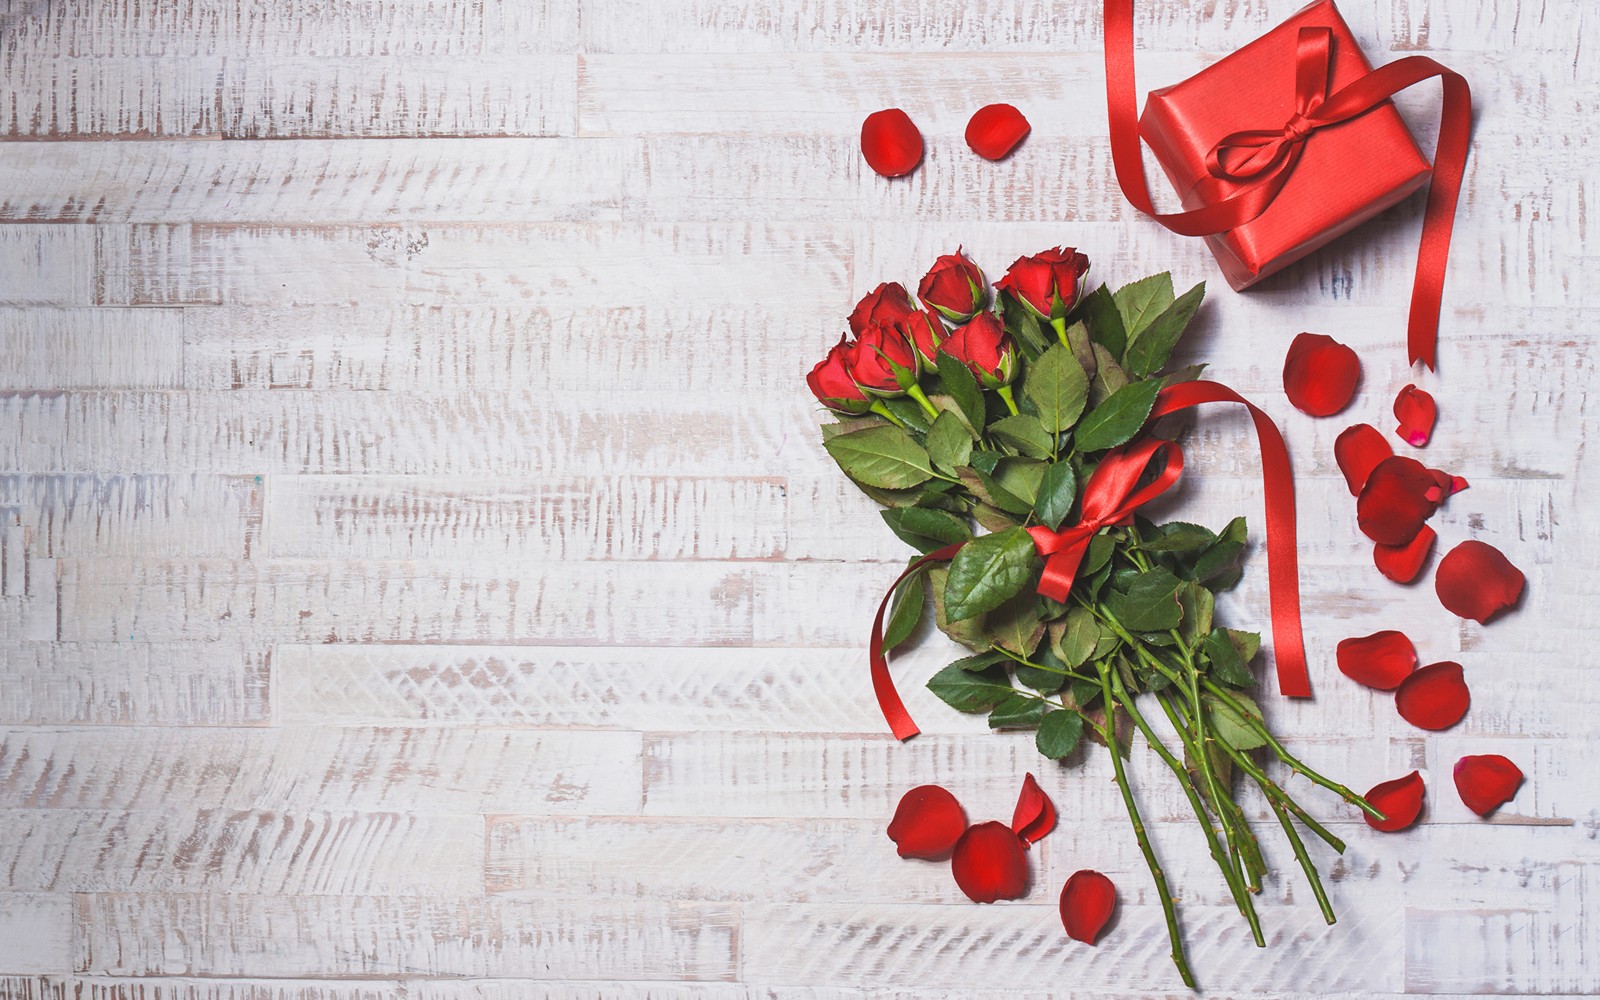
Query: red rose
x=875, y=355
x=1047, y=282
x=889, y=303
x=982, y=345
x=954, y=286
x=830, y=381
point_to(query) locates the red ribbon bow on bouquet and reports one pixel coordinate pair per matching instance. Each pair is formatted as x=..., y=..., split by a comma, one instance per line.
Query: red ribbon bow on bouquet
x=1110, y=497
x=1263, y=159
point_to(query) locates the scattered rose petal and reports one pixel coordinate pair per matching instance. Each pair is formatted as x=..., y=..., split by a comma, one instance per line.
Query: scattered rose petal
x=927, y=823
x=989, y=863
x=891, y=143
x=1416, y=411
x=1320, y=374
x=1035, y=814
x=1486, y=783
x=1087, y=901
x=1398, y=497
x=1380, y=660
x=1402, y=563
x=1399, y=800
x=1475, y=580
x=995, y=130
x=1358, y=450
x=1448, y=485
x=1434, y=697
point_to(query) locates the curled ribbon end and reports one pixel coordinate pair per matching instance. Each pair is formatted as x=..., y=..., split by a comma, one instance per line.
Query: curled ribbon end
x=904, y=732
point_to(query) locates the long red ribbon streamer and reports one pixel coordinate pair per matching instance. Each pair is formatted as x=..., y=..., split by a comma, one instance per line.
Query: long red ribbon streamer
x=1270, y=156
x=1110, y=497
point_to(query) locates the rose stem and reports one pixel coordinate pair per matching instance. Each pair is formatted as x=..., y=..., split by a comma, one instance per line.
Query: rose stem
x=883, y=411
x=1305, y=861
x=1192, y=676
x=916, y=393
x=1109, y=731
x=1269, y=786
x=1060, y=324
x=1230, y=872
x=1005, y=396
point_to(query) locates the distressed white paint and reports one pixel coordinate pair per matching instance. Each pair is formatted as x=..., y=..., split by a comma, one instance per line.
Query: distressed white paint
x=419, y=575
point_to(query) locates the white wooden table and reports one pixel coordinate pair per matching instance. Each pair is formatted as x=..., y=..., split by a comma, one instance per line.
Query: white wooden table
x=421, y=576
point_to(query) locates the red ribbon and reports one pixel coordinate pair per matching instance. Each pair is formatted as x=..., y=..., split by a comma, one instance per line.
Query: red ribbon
x=1262, y=160
x=1110, y=497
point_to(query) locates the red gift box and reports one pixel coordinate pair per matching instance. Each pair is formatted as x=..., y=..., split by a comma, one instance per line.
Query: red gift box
x=1287, y=144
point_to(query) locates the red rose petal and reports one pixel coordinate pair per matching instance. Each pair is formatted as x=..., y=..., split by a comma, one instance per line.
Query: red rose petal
x=1358, y=450
x=890, y=142
x=1400, y=800
x=1087, y=901
x=1416, y=411
x=1381, y=660
x=1398, y=497
x=1035, y=814
x=1475, y=580
x=995, y=130
x=989, y=863
x=927, y=823
x=1320, y=374
x=1487, y=782
x=1402, y=563
x=1435, y=697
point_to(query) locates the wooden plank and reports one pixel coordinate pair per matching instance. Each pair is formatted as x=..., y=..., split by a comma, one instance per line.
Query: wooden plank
x=55, y=95
x=244, y=851
x=138, y=515
x=322, y=936
x=36, y=932
x=208, y=684
x=46, y=265
x=1431, y=24
x=90, y=348
x=299, y=769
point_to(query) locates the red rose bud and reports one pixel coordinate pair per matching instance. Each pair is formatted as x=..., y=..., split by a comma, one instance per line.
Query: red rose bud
x=1434, y=697
x=989, y=863
x=831, y=383
x=1399, y=496
x=1475, y=580
x=888, y=304
x=927, y=823
x=1399, y=800
x=1087, y=901
x=1402, y=563
x=1381, y=660
x=1416, y=411
x=982, y=345
x=954, y=286
x=927, y=333
x=882, y=361
x=995, y=130
x=1358, y=450
x=1320, y=374
x=890, y=143
x=1047, y=282
x=1035, y=814
x=1486, y=783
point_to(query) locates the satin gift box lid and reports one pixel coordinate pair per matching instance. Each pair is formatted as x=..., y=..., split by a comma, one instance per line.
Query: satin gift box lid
x=1347, y=174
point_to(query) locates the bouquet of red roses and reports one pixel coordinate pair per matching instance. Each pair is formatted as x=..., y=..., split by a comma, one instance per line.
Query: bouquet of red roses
x=1034, y=414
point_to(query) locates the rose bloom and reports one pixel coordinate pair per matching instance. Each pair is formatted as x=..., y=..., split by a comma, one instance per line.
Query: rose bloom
x=1047, y=282
x=874, y=355
x=954, y=286
x=983, y=346
x=831, y=383
x=889, y=303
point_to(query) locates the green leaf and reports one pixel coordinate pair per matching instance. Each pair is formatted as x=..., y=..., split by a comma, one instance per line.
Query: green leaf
x=984, y=487
x=1100, y=548
x=1020, y=478
x=1109, y=376
x=1015, y=625
x=1078, y=637
x=1118, y=419
x=1081, y=693
x=1149, y=350
x=1180, y=537
x=971, y=691
x=993, y=518
x=1058, y=490
x=1017, y=712
x=1141, y=302
x=1226, y=664
x=1198, y=604
x=1044, y=681
x=962, y=386
x=1058, y=387
x=1223, y=554
x=909, y=412
x=1150, y=604
x=1023, y=326
x=949, y=443
x=1247, y=643
x=1104, y=320
x=885, y=457
x=1082, y=347
x=924, y=529
x=1230, y=726
x=980, y=661
x=1059, y=733
x=1025, y=434
x=968, y=632
x=988, y=572
x=907, y=611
